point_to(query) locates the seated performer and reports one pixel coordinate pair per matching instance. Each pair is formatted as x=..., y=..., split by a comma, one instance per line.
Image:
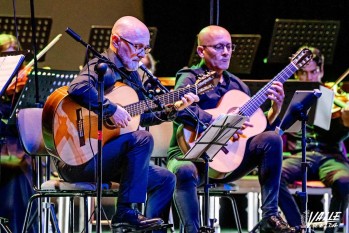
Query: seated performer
x=126, y=157
x=325, y=155
x=263, y=150
x=15, y=165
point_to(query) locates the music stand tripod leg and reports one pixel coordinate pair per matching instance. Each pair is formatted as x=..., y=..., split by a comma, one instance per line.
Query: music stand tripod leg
x=3, y=225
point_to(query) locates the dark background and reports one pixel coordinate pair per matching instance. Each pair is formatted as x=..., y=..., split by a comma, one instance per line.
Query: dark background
x=179, y=21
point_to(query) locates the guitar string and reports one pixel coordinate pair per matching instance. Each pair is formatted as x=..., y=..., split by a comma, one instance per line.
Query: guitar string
x=171, y=97
x=250, y=107
x=262, y=95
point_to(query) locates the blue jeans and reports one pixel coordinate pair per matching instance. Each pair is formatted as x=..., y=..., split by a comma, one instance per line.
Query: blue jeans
x=332, y=172
x=263, y=151
x=126, y=160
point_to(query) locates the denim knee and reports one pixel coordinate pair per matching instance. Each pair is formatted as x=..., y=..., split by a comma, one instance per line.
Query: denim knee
x=187, y=175
x=340, y=188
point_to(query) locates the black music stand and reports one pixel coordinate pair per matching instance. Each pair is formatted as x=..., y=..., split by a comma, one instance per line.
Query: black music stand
x=242, y=58
x=207, y=146
x=100, y=38
x=290, y=87
x=43, y=29
x=49, y=80
x=291, y=34
x=301, y=102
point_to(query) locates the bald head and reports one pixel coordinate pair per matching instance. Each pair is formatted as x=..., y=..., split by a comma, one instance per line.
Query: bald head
x=211, y=33
x=215, y=48
x=130, y=26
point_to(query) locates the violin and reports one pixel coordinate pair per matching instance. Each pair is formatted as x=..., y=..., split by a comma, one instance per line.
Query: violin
x=17, y=84
x=341, y=98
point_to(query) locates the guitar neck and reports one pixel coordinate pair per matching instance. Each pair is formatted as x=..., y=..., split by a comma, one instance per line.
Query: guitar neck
x=167, y=98
x=261, y=96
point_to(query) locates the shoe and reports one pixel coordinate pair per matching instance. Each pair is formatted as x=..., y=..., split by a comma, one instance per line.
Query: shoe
x=275, y=224
x=134, y=219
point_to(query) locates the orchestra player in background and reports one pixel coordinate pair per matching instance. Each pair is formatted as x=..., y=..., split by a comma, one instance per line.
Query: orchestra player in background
x=15, y=170
x=326, y=154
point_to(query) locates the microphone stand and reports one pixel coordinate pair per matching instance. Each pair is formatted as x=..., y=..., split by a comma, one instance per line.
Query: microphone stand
x=100, y=68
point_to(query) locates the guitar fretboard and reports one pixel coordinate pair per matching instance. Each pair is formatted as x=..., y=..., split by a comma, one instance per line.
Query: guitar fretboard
x=167, y=98
x=261, y=96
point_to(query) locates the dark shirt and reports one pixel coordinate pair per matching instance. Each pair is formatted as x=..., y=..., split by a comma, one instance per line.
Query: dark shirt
x=83, y=89
x=328, y=143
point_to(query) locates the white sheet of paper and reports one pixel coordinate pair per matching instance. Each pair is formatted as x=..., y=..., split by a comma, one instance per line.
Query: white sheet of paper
x=218, y=133
x=323, y=111
x=9, y=65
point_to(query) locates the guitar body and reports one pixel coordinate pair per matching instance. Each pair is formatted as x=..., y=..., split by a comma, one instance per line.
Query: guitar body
x=71, y=131
x=231, y=156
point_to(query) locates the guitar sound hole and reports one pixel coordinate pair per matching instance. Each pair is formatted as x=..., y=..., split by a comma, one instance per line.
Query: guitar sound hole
x=225, y=150
x=233, y=110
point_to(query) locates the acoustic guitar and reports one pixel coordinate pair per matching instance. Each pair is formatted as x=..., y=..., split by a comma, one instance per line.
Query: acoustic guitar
x=70, y=131
x=231, y=155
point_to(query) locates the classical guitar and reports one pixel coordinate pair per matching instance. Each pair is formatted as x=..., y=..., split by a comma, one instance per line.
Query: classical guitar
x=234, y=101
x=70, y=130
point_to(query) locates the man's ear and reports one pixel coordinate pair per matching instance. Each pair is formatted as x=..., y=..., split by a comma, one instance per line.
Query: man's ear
x=200, y=51
x=115, y=40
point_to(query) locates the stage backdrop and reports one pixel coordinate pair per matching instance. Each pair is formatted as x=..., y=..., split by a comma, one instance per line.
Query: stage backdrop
x=179, y=21
x=79, y=15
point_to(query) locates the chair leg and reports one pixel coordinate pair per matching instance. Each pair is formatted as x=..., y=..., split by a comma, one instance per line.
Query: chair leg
x=28, y=223
x=86, y=214
x=236, y=213
x=47, y=212
x=170, y=220
x=3, y=225
x=54, y=221
x=71, y=214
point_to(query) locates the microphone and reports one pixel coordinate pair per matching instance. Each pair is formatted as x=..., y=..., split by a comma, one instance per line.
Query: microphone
x=149, y=74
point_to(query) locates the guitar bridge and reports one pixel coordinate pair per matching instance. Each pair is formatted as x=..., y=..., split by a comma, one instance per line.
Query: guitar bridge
x=80, y=126
x=225, y=150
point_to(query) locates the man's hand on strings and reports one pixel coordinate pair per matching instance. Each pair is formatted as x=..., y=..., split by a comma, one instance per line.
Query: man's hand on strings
x=277, y=95
x=186, y=101
x=121, y=117
x=240, y=131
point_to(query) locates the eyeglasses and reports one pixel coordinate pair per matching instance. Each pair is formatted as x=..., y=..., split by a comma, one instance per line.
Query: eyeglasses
x=220, y=47
x=138, y=47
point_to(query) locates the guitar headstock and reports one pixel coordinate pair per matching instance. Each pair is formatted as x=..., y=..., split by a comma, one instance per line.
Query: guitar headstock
x=205, y=82
x=301, y=58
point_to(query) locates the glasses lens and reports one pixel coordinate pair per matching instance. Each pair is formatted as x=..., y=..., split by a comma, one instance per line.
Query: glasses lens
x=220, y=47
x=147, y=49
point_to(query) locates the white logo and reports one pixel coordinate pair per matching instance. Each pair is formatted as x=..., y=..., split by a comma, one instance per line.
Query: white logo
x=323, y=219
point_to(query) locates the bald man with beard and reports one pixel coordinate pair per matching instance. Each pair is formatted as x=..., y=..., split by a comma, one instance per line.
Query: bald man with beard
x=126, y=157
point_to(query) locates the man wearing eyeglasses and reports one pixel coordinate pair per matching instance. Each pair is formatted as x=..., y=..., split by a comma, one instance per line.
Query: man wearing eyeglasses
x=126, y=157
x=263, y=150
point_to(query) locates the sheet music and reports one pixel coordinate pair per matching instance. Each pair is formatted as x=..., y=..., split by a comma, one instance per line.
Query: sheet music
x=323, y=111
x=9, y=66
x=216, y=135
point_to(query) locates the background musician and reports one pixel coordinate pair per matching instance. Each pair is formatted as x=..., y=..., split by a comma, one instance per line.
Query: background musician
x=263, y=151
x=126, y=157
x=15, y=165
x=326, y=154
